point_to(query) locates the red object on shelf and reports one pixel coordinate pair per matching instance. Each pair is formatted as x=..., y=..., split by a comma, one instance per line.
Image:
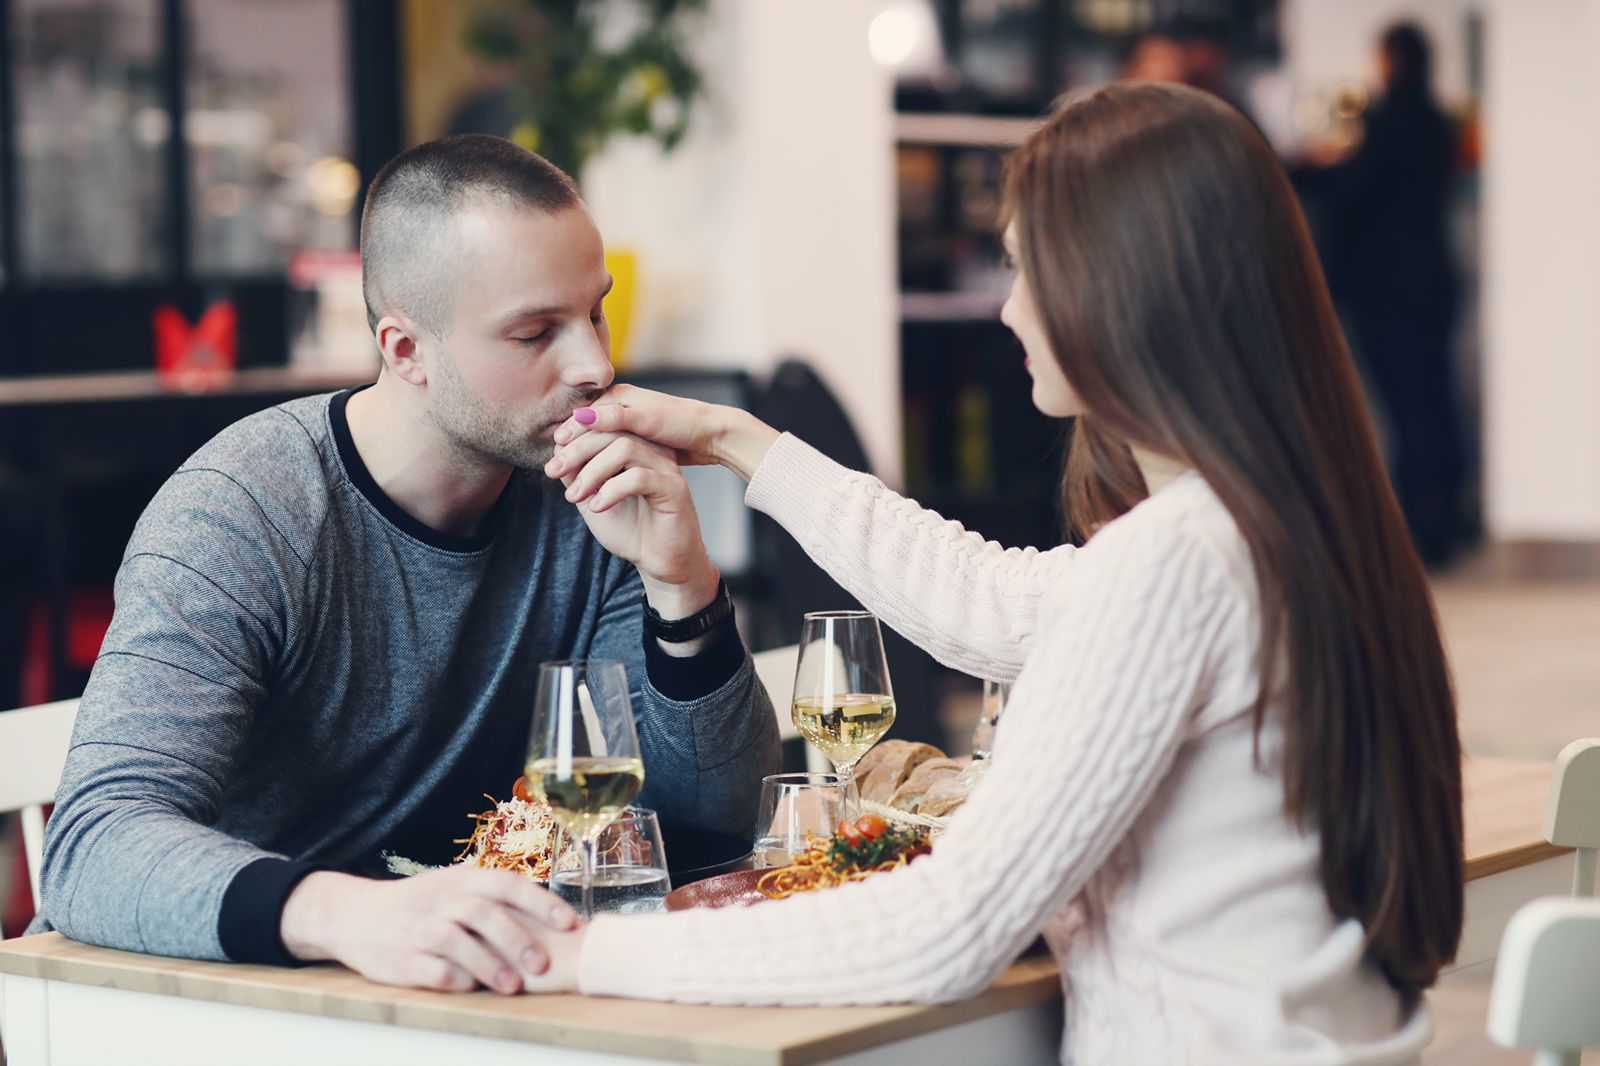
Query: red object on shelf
x=199, y=357
x=88, y=617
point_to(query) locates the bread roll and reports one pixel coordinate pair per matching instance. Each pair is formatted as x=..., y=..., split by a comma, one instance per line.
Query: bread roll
x=910, y=793
x=951, y=791
x=872, y=759
x=878, y=778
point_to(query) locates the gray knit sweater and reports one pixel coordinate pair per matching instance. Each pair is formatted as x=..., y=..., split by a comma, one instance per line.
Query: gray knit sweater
x=299, y=673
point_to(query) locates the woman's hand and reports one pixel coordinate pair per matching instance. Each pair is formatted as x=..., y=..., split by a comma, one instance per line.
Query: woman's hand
x=700, y=434
x=565, y=951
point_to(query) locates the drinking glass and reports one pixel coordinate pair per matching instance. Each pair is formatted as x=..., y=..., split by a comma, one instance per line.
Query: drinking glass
x=630, y=876
x=795, y=807
x=583, y=754
x=995, y=694
x=843, y=702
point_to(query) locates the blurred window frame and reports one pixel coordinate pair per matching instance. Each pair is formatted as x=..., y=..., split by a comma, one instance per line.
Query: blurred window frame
x=66, y=325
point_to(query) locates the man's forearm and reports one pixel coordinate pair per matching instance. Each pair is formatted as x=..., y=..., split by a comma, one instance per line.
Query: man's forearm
x=124, y=874
x=673, y=602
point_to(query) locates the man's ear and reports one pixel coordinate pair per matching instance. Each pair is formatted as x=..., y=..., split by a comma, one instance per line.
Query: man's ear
x=397, y=340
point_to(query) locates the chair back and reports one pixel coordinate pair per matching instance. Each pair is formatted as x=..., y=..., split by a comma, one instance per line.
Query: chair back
x=776, y=668
x=33, y=750
x=1545, y=981
x=1572, y=819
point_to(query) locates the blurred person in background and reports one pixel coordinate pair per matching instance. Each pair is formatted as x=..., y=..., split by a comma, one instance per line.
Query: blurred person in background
x=1383, y=205
x=1193, y=55
x=1156, y=57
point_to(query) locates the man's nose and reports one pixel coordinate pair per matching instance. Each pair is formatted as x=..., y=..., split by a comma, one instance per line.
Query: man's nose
x=589, y=366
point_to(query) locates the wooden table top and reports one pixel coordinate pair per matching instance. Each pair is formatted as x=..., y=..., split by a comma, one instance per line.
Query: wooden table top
x=758, y=1036
x=1504, y=805
x=1504, y=810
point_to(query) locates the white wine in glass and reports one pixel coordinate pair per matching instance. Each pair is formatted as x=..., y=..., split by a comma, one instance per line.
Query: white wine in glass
x=583, y=753
x=843, y=702
x=844, y=727
x=586, y=794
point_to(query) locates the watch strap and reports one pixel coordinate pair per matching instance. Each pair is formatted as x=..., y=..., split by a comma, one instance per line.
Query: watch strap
x=683, y=630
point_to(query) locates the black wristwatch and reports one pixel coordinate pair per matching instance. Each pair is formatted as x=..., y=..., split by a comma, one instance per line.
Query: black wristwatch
x=683, y=630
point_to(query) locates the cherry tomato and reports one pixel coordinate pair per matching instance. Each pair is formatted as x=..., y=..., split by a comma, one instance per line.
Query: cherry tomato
x=521, y=790
x=872, y=827
x=851, y=834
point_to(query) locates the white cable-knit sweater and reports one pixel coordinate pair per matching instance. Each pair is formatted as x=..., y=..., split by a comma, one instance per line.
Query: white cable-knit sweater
x=1124, y=816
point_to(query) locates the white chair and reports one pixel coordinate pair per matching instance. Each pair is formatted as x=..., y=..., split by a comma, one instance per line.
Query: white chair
x=1572, y=820
x=1547, y=976
x=1547, y=981
x=33, y=749
x=776, y=669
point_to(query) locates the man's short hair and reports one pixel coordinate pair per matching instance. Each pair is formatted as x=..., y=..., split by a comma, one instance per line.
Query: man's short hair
x=407, y=237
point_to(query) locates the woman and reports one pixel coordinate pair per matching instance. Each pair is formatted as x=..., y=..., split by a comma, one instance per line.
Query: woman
x=1226, y=788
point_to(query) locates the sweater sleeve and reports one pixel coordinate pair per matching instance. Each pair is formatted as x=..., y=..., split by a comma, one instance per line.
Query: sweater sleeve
x=1095, y=722
x=202, y=618
x=968, y=602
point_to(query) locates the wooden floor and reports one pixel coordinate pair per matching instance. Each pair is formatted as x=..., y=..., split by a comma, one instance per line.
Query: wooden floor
x=1460, y=1005
x=1527, y=663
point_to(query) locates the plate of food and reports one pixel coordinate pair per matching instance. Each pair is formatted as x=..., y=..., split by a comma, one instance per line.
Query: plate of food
x=520, y=834
x=856, y=851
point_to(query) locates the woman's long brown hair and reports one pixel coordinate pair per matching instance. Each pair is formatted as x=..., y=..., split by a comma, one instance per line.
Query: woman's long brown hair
x=1180, y=293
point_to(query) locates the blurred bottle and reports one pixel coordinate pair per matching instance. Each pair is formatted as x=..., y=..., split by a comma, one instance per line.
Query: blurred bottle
x=974, y=439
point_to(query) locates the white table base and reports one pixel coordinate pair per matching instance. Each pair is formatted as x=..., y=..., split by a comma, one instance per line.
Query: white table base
x=55, y=1023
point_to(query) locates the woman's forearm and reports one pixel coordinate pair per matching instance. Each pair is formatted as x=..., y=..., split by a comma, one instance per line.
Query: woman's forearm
x=970, y=603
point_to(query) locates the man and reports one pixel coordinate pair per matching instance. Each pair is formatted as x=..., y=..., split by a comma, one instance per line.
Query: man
x=330, y=620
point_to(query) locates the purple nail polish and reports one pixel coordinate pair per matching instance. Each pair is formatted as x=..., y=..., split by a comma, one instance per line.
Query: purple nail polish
x=585, y=416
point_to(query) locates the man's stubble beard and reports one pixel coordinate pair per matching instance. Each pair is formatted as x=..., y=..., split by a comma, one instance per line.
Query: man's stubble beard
x=462, y=418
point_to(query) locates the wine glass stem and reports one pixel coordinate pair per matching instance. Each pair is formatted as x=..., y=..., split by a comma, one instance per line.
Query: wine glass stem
x=852, y=795
x=586, y=901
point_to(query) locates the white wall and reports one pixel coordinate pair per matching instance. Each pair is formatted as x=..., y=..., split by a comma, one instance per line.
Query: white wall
x=1542, y=269
x=770, y=232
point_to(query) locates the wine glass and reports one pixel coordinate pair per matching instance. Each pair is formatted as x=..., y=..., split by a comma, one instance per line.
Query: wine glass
x=583, y=753
x=631, y=876
x=995, y=694
x=843, y=702
x=794, y=808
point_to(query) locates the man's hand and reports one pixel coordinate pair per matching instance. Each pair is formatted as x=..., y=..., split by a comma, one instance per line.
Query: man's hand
x=451, y=930
x=637, y=504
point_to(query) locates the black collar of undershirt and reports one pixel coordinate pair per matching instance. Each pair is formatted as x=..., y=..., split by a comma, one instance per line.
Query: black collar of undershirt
x=362, y=479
